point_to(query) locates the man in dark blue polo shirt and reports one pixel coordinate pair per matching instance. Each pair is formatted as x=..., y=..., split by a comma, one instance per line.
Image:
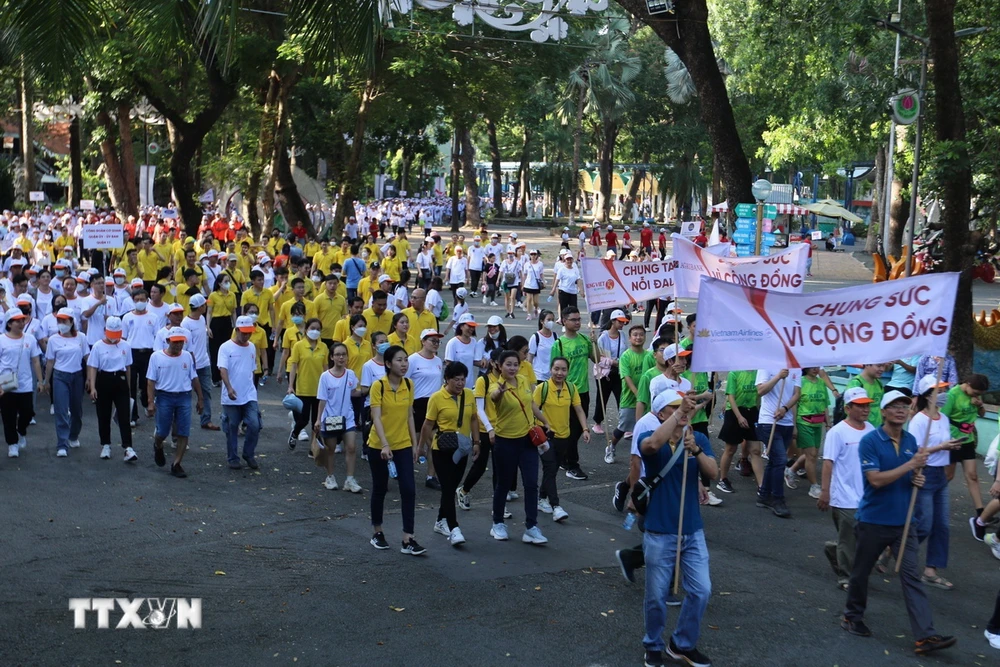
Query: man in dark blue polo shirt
x=891, y=465
x=660, y=539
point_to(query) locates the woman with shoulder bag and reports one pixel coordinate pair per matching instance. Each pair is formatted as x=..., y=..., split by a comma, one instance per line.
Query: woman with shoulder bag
x=559, y=402
x=336, y=424
x=452, y=412
x=513, y=448
x=19, y=365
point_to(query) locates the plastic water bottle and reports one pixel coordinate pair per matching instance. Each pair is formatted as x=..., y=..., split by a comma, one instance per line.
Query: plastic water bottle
x=422, y=459
x=392, y=469
x=549, y=299
x=263, y=380
x=629, y=521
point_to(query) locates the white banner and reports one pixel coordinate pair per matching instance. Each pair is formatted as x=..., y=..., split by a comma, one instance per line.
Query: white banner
x=742, y=328
x=36, y=195
x=103, y=236
x=87, y=205
x=610, y=283
x=784, y=271
x=147, y=174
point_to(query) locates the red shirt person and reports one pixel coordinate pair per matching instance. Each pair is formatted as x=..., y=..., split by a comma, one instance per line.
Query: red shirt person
x=611, y=239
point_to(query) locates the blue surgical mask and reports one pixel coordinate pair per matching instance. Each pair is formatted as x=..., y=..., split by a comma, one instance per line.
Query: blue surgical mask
x=298, y=319
x=382, y=347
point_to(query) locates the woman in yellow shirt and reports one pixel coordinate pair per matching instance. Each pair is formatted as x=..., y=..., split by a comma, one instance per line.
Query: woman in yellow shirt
x=559, y=401
x=401, y=334
x=450, y=410
x=391, y=447
x=512, y=449
x=486, y=412
x=292, y=334
x=519, y=344
x=310, y=358
x=221, y=320
x=392, y=264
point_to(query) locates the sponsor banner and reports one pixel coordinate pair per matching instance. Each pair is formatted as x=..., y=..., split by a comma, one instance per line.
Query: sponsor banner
x=784, y=271
x=103, y=236
x=740, y=327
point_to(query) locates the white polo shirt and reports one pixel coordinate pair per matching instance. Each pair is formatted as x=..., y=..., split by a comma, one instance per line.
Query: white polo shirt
x=240, y=361
x=68, y=352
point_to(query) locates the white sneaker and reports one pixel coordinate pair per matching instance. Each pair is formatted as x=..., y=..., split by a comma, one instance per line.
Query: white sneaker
x=32, y=422
x=558, y=513
x=714, y=500
x=507, y=514
x=62, y=453
x=13, y=452
x=499, y=531
x=74, y=444
x=994, y=543
x=303, y=435
x=441, y=527
x=130, y=455
x=351, y=484
x=993, y=639
x=544, y=505
x=534, y=536
x=814, y=490
x=52, y=409
x=456, y=537
x=106, y=452
x=512, y=495
x=22, y=442
x=338, y=449
x=330, y=483
x=609, y=455
x=484, y=300
x=790, y=480
x=493, y=303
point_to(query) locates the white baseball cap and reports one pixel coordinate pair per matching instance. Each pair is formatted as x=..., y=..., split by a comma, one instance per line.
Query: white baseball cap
x=197, y=301
x=464, y=319
x=177, y=333
x=665, y=398
x=113, y=327
x=671, y=351
x=431, y=333
x=245, y=324
x=461, y=292
x=384, y=278
x=494, y=321
x=891, y=397
x=619, y=315
x=857, y=395
x=927, y=383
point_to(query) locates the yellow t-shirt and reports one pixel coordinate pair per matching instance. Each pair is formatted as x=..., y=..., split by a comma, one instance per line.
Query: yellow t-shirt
x=179, y=273
x=262, y=301
x=330, y=310
x=365, y=288
x=438, y=255
x=149, y=264
x=342, y=331
x=558, y=405
x=424, y=320
x=376, y=323
x=481, y=391
x=375, y=252
x=131, y=271
x=244, y=263
x=311, y=364
x=311, y=249
x=443, y=408
x=512, y=421
x=411, y=344
x=222, y=305
x=285, y=313
x=397, y=412
x=45, y=248
x=391, y=267
x=526, y=371
x=358, y=354
x=65, y=241
x=289, y=338
x=280, y=299
x=402, y=247
x=323, y=261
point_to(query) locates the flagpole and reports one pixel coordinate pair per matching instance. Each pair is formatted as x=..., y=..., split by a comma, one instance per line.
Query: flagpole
x=774, y=425
x=680, y=518
x=913, y=493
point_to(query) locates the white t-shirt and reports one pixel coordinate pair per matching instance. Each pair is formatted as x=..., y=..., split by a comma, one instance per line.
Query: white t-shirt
x=661, y=383
x=159, y=313
x=68, y=352
x=468, y=353
x=336, y=391
x=770, y=401
x=940, y=433
x=43, y=303
x=459, y=310
x=613, y=346
x=427, y=374
x=173, y=374
x=197, y=342
x=477, y=255
x=457, y=269
x=240, y=362
x=533, y=273
x=433, y=302
x=110, y=358
x=16, y=355
x=566, y=279
x=160, y=340
x=540, y=346
x=841, y=447
x=140, y=330
x=371, y=372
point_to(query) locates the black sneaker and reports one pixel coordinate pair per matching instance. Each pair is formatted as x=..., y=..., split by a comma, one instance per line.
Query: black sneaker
x=780, y=509
x=378, y=541
x=159, y=457
x=235, y=465
x=411, y=548
x=177, y=471
x=576, y=473
x=725, y=486
x=692, y=656
x=764, y=501
x=433, y=483
x=621, y=495
x=978, y=532
x=934, y=643
x=292, y=440
x=653, y=659
x=251, y=463
x=627, y=570
x=857, y=628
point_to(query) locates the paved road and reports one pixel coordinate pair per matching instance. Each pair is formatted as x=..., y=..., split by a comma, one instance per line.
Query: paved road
x=301, y=585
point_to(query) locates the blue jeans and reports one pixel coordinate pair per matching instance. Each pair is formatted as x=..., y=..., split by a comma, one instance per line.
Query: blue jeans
x=774, y=474
x=205, y=379
x=660, y=551
x=932, y=516
x=67, y=397
x=509, y=454
x=232, y=416
x=173, y=410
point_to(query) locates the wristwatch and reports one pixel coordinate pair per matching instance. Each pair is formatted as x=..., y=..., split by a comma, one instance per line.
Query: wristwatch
x=698, y=453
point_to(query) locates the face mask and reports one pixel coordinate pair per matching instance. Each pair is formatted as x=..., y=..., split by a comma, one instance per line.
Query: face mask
x=140, y=306
x=173, y=290
x=360, y=332
x=550, y=325
x=382, y=347
x=365, y=255
x=494, y=335
x=313, y=334
x=225, y=285
x=316, y=279
x=253, y=317
x=119, y=281
x=60, y=273
x=298, y=319
x=65, y=328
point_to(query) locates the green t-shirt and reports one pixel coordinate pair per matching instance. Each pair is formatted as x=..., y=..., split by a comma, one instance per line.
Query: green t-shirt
x=577, y=351
x=644, y=381
x=741, y=385
x=632, y=365
x=875, y=392
x=699, y=385
x=958, y=408
x=814, y=399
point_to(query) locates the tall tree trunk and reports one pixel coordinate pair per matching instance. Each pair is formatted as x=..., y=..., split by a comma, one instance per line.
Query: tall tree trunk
x=404, y=179
x=956, y=179
x=127, y=154
x=472, y=218
x=118, y=190
x=519, y=207
x=75, y=163
x=875, y=224
x=633, y=187
x=688, y=35
x=287, y=194
x=577, y=196
x=27, y=103
x=899, y=211
x=456, y=168
x=608, y=137
x=491, y=133
x=278, y=150
x=347, y=192
x=265, y=149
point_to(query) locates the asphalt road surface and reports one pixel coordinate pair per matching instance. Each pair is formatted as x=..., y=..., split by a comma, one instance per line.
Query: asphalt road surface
x=286, y=574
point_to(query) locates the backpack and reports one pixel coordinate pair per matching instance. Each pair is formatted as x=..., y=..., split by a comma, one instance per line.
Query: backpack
x=445, y=311
x=545, y=393
x=408, y=383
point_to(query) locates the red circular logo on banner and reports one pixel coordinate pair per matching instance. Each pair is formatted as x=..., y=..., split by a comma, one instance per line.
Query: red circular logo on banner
x=610, y=285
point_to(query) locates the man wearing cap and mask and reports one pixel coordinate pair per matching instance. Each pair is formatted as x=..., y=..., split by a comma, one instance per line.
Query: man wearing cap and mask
x=891, y=464
x=237, y=364
x=197, y=344
x=108, y=368
x=170, y=379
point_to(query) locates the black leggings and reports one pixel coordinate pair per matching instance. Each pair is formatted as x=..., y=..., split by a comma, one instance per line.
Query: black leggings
x=310, y=411
x=609, y=386
x=450, y=475
x=17, y=410
x=136, y=384
x=550, y=469
x=994, y=625
x=112, y=394
x=222, y=330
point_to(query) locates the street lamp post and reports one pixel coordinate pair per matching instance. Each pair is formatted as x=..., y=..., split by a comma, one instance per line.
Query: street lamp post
x=761, y=191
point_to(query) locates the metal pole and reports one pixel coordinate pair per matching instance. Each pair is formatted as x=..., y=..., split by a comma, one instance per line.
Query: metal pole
x=889, y=171
x=916, y=161
x=758, y=236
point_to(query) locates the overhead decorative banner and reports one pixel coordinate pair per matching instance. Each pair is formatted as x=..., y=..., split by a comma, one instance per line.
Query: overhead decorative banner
x=609, y=283
x=784, y=271
x=742, y=328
